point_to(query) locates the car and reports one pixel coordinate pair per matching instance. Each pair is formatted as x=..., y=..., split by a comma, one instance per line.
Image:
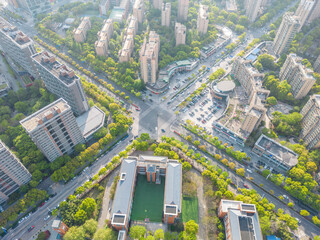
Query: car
x=299, y=221
x=246, y=186
x=30, y=228
x=286, y=197
x=162, y=130
x=249, y=170
x=204, y=121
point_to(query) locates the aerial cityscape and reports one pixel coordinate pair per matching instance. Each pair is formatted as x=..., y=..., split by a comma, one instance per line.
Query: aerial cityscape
x=160, y=119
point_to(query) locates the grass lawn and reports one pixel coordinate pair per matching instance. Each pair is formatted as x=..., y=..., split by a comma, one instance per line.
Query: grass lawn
x=148, y=200
x=190, y=209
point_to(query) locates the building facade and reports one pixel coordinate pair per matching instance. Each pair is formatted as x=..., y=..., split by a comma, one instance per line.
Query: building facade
x=54, y=129
x=310, y=123
x=253, y=118
x=288, y=28
x=180, y=32
x=315, y=12
x=60, y=227
x=316, y=65
x=149, y=55
x=18, y=46
x=127, y=49
x=35, y=7
x=203, y=19
x=80, y=33
x=183, y=8
x=104, y=37
x=165, y=14
x=104, y=7
x=12, y=173
x=297, y=75
x=304, y=10
x=157, y=4
x=253, y=7
x=61, y=81
x=138, y=10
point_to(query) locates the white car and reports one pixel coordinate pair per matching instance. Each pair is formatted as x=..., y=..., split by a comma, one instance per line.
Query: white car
x=249, y=171
x=286, y=197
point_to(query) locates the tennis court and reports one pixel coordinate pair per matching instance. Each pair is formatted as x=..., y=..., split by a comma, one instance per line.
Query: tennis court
x=148, y=200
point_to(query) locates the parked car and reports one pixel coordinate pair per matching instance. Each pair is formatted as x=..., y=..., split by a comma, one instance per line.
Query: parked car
x=246, y=186
x=30, y=228
x=249, y=170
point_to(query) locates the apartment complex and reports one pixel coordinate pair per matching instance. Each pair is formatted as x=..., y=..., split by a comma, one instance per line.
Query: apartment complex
x=303, y=11
x=180, y=32
x=138, y=10
x=61, y=81
x=54, y=129
x=132, y=27
x=203, y=19
x=33, y=7
x=12, y=173
x=310, y=132
x=165, y=14
x=149, y=55
x=277, y=154
x=104, y=7
x=298, y=76
x=183, y=8
x=80, y=33
x=241, y=220
x=253, y=7
x=157, y=4
x=253, y=118
x=128, y=43
x=18, y=46
x=104, y=36
x=288, y=28
x=316, y=65
x=153, y=167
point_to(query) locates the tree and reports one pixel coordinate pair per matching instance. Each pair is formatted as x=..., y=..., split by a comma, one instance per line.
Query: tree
x=316, y=220
x=105, y=234
x=88, y=205
x=159, y=234
x=192, y=228
x=272, y=101
x=90, y=227
x=189, y=138
x=304, y=213
x=80, y=217
x=186, y=166
x=137, y=232
x=75, y=233
x=240, y=171
x=196, y=142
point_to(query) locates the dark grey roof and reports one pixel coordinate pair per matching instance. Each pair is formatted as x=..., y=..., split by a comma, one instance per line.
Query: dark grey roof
x=172, y=195
x=171, y=209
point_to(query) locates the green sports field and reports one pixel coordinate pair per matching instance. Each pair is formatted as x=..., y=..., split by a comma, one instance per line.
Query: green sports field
x=148, y=200
x=190, y=209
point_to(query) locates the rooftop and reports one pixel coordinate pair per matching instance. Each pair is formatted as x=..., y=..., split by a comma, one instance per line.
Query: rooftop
x=56, y=223
x=90, y=121
x=14, y=33
x=173, y=185
x=45, y=114
x=60, y=71
x=281, y=152
x=226, y=86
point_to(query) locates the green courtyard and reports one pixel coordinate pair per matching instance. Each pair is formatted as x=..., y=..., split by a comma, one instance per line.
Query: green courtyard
x=190, y=209
x=148, y=200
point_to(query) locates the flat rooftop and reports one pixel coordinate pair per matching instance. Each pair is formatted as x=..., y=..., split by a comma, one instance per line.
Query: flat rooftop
x=60, y=71
x=226, y=86
x=45, y=114
x=91, y=121
x=173, y=185
x=274, y=148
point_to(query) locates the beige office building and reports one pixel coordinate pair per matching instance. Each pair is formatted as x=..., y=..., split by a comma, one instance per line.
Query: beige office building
x=80, y=33
x=127, y=49
x=149, y=55
x=61, y=81
x=297, y=75
x=12, y=173
x=180, y=33
x=203, y=19
x=310, y=123
x=316, y=65
x=289, y=27
x=157, y=4
x=183, y=8
x=101, y=45
x=253, y=7
x=54, y=129
x=138, y=10
x=165, y=14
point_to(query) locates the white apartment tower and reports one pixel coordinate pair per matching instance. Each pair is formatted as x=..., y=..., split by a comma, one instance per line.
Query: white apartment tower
x=297, y=75
x=165, y=14
x=61, y=81
x=180, y=31
x=54, y=129
x=183, y=8
x=203, y=19
x=289, y=27
x=18, y=46
x=12, y=173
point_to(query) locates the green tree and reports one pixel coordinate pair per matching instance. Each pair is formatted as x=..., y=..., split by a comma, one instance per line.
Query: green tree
x=90, y=227
x=105, y=234
x=80, y=217
x=304, y=213
x=137, y=232
x=240, y=171
x=75, y=233
x=272, y=101
x=159, y=234
x=191, y=228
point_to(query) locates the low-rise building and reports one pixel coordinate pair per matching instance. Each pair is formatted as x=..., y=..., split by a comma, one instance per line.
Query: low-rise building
x=241, y=220
x=275, y=153
x=203, y=19
x=180, y=33
x=80, y=33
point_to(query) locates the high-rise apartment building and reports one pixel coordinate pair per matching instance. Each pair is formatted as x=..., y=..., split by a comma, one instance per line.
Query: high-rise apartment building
x=54, y=129
x=80, y=33
x=316, y=65
x=33, y=7
x=315, y=11
x=61, y=81
x=132, y=27
x=12, y=173
x=297, y=75
x=165, y=14
x=138, y=10
x=203, y=19
x=253, y=118
x=157, y=4
x=18, y=46
x=149, y=55
x=252, y=8
x=310, y=123
x=104, y=7
x=288, y=28
x=303, y=11
x=104, y=36
x=127, y=49
x=180, y=31
x=183, y=8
